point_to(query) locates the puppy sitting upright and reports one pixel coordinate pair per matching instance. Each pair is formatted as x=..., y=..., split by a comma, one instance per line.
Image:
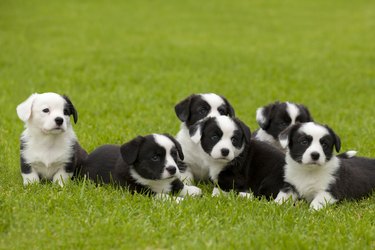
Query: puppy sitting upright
x=276, y=117
x=191, y=110
x=49, y=146
x=314, y=173
x=144, y=163
x=235, y=161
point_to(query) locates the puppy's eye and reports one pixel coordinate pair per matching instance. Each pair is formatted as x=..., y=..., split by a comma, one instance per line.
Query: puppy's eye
x=174, y=154
x=215, y=138
x=66, y=112
x=203, y=111
x=155, y=158
x=304, y=142
x=324, y=145
x=45, y=110
x=283, y=124
x=235, y=141
x=222, y=111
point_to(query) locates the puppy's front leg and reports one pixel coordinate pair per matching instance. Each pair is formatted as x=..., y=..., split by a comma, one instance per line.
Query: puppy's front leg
x=217, y=192
x=321, y=200
x=30, y=178
x=163, y=197
x=284, y=196
x=61, y=177
x=190, y=190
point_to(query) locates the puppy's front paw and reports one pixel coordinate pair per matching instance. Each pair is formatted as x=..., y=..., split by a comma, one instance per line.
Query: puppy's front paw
x=282, y=197
x=249, y=196
x=30, y=178
x=193, y=191
x=315, y=205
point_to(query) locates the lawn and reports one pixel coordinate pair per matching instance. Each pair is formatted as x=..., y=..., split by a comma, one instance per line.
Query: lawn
x=125, y=64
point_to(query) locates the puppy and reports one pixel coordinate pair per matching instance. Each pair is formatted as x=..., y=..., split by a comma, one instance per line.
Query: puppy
x=191, y=110
x=276, y=117
x=146, y=163
x=314, y=173
x=49, y=146
x=234, y=160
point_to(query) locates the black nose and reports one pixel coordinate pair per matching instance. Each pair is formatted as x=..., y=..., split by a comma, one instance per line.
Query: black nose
x=224, y=152
x=171, y=169
x=59, y=120
x=315, y=156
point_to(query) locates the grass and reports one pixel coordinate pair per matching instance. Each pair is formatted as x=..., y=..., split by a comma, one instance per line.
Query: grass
x=125, y=64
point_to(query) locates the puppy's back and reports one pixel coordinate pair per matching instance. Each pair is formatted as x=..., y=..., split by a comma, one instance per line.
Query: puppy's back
x=355, y=178
x=101, y=164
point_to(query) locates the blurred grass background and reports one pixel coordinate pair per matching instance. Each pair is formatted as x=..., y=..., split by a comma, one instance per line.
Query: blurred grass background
x=125, y=64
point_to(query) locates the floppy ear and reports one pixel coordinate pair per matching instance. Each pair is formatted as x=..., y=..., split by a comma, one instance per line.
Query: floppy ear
x=196, y=130
x=263, y=115
x=286, y=134
x=182, y=108
x=337, y=140
x=231, y=112
x=178, y=146
x=129, y=151
x=24, y=109
x=307, y=112
x=245, y=129
x=71, y=108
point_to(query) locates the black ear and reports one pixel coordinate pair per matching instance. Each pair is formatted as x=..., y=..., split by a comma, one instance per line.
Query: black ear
x=71, y=108
x=337, y=140
x=196, y=130
x=182, y=108
x=231, y=112
x=245, y=129
x=178, y=146
x=286, y=134
x=264, y=115
x=129, y=151
x=307, y=112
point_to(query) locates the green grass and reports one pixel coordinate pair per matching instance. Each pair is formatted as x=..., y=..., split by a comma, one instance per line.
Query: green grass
x=125, y=64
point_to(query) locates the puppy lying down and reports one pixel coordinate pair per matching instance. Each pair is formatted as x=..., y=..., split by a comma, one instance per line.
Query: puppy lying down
x=144, y=164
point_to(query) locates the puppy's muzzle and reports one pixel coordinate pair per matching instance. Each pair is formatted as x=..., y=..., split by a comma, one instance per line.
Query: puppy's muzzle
x=171, y=170
x=59, y=121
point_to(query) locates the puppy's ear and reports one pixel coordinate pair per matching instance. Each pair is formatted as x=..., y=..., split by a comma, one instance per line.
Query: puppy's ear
x=24, y=109
x=178, y=146
x=307, y=113
x=182, y=108
x=129, y=151
x=196, y=130
x=286, y=134
x=336, y=139
x=264, y=114
x=245, y=130
x=231, y=112
x=71, y=108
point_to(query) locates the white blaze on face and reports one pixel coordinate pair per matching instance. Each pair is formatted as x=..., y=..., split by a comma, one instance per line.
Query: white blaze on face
x=215, y=102
x=228, y=127
x=316, y=132
x=54, y=105
x=293, y=112
x=168, y=145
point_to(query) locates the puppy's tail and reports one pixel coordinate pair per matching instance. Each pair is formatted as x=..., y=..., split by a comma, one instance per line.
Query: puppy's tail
x=347, y=154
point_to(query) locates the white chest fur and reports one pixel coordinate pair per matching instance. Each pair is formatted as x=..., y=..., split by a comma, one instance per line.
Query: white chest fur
x=310, y=180
x=47, y=154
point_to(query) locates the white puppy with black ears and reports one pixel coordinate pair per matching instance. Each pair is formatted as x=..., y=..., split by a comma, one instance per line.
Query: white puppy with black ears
x=49, y=146
x=314, y=173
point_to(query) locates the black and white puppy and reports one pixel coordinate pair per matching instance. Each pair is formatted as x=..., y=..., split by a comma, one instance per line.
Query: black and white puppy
x=191, y=110
x=146, y=163
x=276, y=117
x=49, y=146
x=314, y=173
x=234, y=160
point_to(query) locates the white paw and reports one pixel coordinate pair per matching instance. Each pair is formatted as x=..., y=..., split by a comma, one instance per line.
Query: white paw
x=282, y=197
x=61, y=178
x=249, y=196
x=316, y=205
x=30, y=178
x=178, y=199
x=216, y=192
x=193, y=191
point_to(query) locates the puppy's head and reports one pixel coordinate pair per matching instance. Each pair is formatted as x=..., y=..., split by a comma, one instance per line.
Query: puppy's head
x=276, y=117
x=222, y=138
x=153, y=157
x=199, y=106
x=310, y=143
x=47, y=112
